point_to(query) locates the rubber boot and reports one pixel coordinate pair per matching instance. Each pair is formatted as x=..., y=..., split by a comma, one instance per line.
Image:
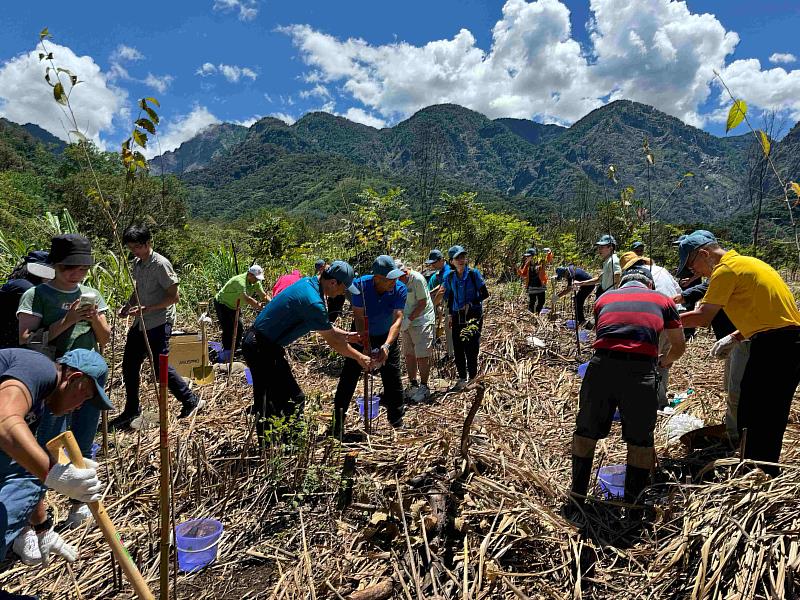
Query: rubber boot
x=637, y=476
x=582, y=458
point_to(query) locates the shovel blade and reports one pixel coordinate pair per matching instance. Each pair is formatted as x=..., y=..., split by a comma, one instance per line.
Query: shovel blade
x=203, y=375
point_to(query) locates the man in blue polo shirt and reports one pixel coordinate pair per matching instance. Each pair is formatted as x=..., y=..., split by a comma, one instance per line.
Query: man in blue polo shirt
x=382, y=300
x=294, y=312
x=441, y=268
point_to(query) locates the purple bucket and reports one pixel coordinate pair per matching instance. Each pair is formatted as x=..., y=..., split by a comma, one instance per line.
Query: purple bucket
x=248, y=376
x=570, y=324
x=582, y=370
x=611, y=480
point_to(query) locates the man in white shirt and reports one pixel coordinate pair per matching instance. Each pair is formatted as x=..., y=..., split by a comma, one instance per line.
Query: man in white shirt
x=417, y=332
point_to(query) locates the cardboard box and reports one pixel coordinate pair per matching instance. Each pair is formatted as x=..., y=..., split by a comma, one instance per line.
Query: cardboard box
x=186, y=352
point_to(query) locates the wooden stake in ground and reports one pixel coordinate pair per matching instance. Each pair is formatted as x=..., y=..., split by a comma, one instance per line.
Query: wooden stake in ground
x=164, y=484
x=73, y=453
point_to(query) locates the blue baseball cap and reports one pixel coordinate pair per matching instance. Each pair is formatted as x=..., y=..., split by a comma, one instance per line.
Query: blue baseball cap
x=530, y=252
x=93, y=365
x=434, y=256
x=636, y=245
x=384, y=265
x=561, y=272
x=343, y=273
x=690, y=243
x=455, y=251
x=321, y=262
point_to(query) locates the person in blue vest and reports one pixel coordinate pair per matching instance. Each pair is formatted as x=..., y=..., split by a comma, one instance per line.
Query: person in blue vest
x=382, y=301
x=294, y=312
x=464, y=292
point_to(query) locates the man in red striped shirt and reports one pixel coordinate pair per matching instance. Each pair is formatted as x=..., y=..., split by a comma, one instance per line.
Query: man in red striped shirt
x=622, y=374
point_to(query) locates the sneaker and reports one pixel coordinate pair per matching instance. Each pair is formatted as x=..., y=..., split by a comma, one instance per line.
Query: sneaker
x=421, y=394
x=122, y=421
x=79, y=514
x=410, y=390
x=26, y=546
x=459, y=386
x=191, y=407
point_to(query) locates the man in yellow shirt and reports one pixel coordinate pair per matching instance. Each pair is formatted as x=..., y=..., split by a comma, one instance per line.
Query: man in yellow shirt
x=239, y=289
x=761, y=306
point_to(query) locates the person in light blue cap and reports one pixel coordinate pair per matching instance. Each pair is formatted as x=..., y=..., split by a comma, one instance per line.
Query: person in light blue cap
x=611, y=274
x=294, y=312
x=30, y=384
x=378, y=313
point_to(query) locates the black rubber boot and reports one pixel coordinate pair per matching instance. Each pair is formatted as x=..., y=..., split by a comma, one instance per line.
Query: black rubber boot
x=572, y=510
x=636, y=479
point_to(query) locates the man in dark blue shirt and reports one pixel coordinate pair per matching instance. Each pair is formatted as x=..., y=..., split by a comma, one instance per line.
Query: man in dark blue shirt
x=573, y=274
x=377, y=312
x=294, y=312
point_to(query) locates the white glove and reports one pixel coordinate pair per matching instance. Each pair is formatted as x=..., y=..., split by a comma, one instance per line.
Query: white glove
x=406, y=324
x=79, y=484
x=52, y=543
x=723, y=347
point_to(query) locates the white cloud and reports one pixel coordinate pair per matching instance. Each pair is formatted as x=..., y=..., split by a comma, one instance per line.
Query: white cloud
x=182, y=128
x=247, y=8
x=286, y=118
x=782, y=58
x=318, y=91
x=772, y=89
x=654, y=51
x=248, y=122
x=232, y=73
x=124, y=52
x=25, y=97
x=206, y=69
x=160, y=84
x=359, y=115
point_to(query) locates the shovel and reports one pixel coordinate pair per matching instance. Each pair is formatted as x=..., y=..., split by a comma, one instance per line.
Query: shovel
x=72, y=452
x=204, y=374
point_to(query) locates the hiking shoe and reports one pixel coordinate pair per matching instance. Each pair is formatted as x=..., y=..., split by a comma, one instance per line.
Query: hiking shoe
x=460, y=385
x=573, y=512
x=191, y=407
x=122, y=421
x=409, y=392
x=421, y=394
x=26, y=546
x=79, y=514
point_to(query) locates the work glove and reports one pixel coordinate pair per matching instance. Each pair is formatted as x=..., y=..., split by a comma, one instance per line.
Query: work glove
x=79, y=484
x=50, y=543
x=406, y=324
x=723, y=347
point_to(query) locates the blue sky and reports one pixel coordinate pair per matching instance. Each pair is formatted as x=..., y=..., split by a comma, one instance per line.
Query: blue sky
x=378, y=62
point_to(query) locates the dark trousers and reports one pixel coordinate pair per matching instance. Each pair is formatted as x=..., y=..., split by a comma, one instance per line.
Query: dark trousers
x=770, y=379
x=136, y=353
x=466, y=350
x=630, y=385
x=580, y=301
x=227, y=317
x=392, y=397
x=275, y=390
x=536, y=302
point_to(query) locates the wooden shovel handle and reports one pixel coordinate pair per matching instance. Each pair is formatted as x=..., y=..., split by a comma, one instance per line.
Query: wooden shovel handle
x=73, y=453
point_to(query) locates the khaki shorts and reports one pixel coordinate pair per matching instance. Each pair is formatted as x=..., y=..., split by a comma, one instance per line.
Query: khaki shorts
x=418, y=340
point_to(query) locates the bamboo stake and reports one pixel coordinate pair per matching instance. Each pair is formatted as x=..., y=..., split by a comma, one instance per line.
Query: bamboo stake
x=233, y=341
x=164, y=484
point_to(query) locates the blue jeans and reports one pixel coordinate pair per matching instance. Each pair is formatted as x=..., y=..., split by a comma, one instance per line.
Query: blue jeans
x=20, y=492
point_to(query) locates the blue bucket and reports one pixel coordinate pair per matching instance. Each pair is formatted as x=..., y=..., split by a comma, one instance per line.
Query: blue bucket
x=583, y=336
x=374, y=407
x=544, y=311
x=197, y=542
x=582, y=370
x=94, y=450
x=248, y=376
x=611, y=480
x=570, y=324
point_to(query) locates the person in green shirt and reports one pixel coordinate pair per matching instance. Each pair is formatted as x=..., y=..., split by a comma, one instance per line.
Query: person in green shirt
x=244, y=289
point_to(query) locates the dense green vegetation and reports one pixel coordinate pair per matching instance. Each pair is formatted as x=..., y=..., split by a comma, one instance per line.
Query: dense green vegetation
x=514, y=164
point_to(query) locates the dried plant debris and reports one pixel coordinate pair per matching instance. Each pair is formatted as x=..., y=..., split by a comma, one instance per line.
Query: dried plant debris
x=461, y=503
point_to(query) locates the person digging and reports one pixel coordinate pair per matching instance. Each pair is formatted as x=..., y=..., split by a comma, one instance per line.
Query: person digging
x=622, y=374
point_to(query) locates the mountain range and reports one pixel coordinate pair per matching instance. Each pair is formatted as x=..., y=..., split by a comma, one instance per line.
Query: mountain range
x=512, y=163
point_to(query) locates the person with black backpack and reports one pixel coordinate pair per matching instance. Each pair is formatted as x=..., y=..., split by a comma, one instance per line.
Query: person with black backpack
x=29, y=272
x=465, y=291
